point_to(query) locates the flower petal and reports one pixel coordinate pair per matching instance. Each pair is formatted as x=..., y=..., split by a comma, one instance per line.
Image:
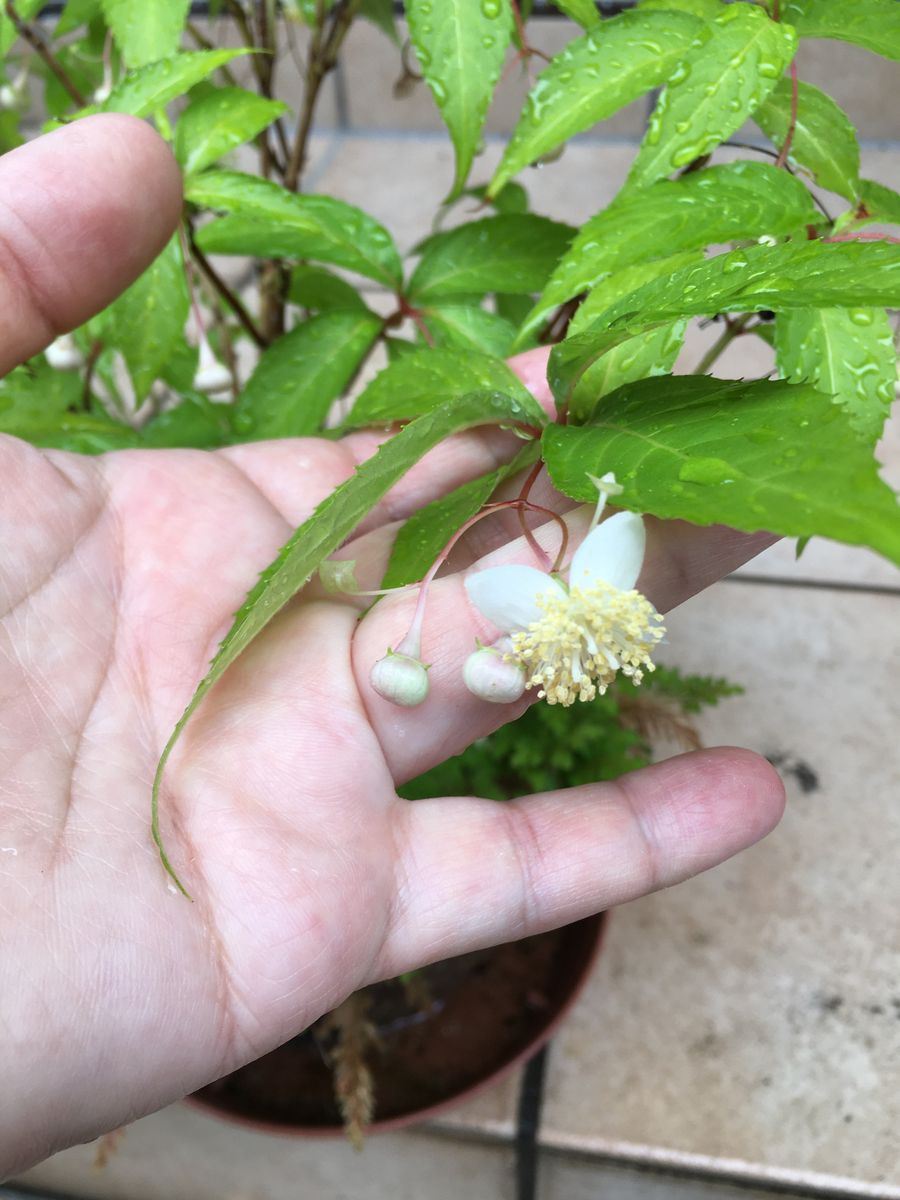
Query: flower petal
x=614, y=552
x=507, y=596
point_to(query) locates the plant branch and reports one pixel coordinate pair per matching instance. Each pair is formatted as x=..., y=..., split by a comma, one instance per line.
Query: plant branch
x=30, y=35
x=223, y=289
x=732, y=330
x=323, y=53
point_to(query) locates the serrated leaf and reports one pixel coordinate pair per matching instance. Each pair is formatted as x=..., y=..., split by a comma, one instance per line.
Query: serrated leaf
x=651, y=353
x=146, y=323
x=507, y=253
x=422, y=538
x=301, y=374
x=824, y=140
x=582, y=12
x=719, y=204
x=317, y=227
x=146, y=30
x=793, y=275
x=756, y=456
x=848, y=354
x=469, y=326
x=735, y=62
x=593, y=77
x=217, y=122
x=873, y=24
x=331, y=523
x=882, y=203
x=420, y=380
x=317, y=289
x=461, y=46
x=148, y=89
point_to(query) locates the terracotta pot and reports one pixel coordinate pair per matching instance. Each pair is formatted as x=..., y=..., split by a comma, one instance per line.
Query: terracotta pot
x=489, y=1012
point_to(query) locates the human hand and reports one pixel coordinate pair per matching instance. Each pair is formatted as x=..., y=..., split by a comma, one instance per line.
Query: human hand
x=118, y=578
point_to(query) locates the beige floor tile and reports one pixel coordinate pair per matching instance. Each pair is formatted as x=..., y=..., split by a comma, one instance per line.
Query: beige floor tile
x=185, y=1154
x=751, y=1017
x=566, y=1178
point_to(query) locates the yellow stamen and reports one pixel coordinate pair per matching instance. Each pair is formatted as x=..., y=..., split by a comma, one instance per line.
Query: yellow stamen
x=585, y=637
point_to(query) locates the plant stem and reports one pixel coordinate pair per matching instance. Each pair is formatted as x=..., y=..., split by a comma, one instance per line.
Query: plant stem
x=323, y=51
x=30, y=35
x=781, y=160
x=224, y=290
x=732, y=330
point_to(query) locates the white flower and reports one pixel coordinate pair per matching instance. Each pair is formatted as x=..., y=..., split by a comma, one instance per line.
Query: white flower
x=212, y=376
x=572, y=641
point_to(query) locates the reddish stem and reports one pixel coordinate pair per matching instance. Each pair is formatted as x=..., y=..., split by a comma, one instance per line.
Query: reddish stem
x=781, y=160
x=861, y=236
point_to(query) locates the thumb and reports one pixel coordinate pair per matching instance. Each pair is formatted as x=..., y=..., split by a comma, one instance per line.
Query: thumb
x=84, y=210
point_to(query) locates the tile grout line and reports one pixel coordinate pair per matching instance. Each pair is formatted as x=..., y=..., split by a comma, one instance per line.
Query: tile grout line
x=827, y=585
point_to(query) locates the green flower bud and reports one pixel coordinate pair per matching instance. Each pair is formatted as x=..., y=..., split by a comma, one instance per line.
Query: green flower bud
x=401, y=679
x=490, y=676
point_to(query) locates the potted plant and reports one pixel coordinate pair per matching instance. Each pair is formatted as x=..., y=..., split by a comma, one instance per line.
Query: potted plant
x=610, y=301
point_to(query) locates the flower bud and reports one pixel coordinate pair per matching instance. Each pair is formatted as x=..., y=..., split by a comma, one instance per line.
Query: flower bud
x=401, y=679
x=489, y=675
x=63, y=354
x=211, y=375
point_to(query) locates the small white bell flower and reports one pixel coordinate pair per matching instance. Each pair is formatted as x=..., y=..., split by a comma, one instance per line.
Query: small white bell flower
x=490, y=673
x=212, y=376
x=401, y=679
x=63, y=354
x=572, y=641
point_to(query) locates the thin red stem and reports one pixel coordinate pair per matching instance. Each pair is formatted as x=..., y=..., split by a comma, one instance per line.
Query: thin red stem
x=781, y=160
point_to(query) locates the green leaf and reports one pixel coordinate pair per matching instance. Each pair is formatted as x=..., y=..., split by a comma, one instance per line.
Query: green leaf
x=511, y=198
x=317, y=289
x=317, y=227
x=147, y=321
x=651, y=353
x=75, y=13
x=593, y=77
x=708, y=10
x=793, y=275
x=582, y=12
x=848, y=354
x=217, y=122
x=146, y=30
x=381, y=15
x=331, y=523
x=734, y=63
x=824, y=140
x=873, y=24
x=514, y=308
x=461, y=46
x=421, y=380
x=300, y=375
x=719, y=204
x=427, y=532
x=469, y=326
x=882, y=203
x=36, y=404
x=507, y=253
x=764, y=455
x=148, y=89
x=196, y=423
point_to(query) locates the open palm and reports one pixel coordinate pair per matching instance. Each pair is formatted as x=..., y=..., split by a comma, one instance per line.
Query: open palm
x=309, y=877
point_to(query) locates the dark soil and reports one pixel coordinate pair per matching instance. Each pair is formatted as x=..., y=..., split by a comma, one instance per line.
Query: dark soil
x=485, y=1009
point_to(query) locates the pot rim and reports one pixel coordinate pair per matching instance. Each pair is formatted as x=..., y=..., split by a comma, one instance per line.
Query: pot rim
x=595, y=935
